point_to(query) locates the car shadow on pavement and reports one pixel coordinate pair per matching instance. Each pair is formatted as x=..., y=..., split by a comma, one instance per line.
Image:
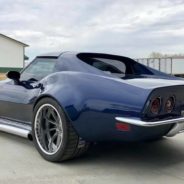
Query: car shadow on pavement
x=162, y=153
x=146, y=156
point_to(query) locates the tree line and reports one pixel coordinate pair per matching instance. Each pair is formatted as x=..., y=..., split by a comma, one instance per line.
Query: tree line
x=162, y=55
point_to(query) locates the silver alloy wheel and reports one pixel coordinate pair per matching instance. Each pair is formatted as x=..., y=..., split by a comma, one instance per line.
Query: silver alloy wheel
x=48, y=129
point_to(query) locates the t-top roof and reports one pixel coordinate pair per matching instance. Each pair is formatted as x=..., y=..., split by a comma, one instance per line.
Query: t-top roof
x=51, y=54
x=7, y=37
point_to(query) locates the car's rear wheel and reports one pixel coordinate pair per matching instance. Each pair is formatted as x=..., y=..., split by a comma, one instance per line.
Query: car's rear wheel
x=53, y=135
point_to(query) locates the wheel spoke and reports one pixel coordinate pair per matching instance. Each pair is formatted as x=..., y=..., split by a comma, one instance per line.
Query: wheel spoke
x=52, y=129
x=43, y=134
x=47, y=117
x=54, y=115
x=44, y=113
x=51, y=142
x=52, y=122
x=59, y=136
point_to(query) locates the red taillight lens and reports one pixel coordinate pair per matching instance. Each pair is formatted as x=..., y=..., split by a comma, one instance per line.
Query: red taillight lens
x=123, y=127
x=155, y=106
x=169, y=105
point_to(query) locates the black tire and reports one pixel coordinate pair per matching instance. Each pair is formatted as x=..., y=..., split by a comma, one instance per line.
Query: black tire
x=72, y=145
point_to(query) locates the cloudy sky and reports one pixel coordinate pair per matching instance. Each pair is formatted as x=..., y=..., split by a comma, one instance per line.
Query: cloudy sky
x=133, y=28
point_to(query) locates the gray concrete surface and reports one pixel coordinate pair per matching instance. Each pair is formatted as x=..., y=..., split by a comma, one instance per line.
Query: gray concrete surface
x=141, y=163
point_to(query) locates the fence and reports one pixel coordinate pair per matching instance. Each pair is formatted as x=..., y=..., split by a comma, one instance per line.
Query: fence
x=173, y=66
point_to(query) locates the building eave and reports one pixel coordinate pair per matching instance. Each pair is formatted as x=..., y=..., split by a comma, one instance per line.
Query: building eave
x=7, y=37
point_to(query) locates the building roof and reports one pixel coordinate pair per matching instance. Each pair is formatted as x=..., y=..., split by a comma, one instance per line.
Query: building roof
x=7, y=37
x=178, y=57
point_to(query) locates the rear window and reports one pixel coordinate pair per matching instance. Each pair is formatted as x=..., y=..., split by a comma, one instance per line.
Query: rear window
x=109, y=65
x=106, y=63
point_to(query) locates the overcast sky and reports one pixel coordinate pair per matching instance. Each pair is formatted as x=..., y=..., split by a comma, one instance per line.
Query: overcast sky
x=127, y=27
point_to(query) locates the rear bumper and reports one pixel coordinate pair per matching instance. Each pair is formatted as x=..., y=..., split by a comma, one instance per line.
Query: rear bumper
x=178, y=124
x=141, y=123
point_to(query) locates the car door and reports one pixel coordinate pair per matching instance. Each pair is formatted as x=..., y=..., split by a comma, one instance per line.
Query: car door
x=16, y=100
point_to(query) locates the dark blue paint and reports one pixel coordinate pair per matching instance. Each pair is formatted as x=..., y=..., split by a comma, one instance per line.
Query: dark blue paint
x=90, y=98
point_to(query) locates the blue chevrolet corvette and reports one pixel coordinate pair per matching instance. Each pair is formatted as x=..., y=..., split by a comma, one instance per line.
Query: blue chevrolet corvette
x=65, y=101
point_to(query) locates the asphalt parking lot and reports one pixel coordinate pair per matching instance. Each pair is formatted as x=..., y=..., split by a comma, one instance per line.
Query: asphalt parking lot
x=155, y=162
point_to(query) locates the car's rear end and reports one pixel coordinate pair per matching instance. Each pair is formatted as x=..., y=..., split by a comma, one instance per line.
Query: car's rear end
x=162, y=114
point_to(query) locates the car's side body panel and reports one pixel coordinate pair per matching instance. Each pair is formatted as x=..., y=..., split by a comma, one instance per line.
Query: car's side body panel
x=90, y=98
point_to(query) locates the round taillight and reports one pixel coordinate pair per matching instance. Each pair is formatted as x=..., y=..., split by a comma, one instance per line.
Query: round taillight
x=169, y=105
x=155, y=106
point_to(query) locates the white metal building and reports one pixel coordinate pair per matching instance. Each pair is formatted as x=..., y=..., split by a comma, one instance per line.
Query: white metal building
x=12, y=53
x=170, y=65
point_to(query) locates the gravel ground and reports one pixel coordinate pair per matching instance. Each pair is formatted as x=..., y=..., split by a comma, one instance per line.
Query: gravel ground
x=144, y=163
x=2, y=76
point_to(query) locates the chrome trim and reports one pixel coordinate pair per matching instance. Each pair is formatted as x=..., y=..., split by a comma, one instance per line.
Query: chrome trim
x=15, y=128
x=138, y=122
x=176, y=129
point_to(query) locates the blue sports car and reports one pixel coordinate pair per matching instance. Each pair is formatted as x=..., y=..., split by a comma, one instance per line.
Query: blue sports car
x=65, y=101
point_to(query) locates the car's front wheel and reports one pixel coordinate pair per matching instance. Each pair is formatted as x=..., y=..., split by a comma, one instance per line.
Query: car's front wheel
x=53, y=135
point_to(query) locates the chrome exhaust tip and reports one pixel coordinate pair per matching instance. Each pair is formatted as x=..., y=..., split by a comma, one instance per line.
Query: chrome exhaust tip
x=30, y=136
x=22, y=131
x=176, y=129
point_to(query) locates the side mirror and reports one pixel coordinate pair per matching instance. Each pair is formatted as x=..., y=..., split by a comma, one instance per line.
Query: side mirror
x=14, y=75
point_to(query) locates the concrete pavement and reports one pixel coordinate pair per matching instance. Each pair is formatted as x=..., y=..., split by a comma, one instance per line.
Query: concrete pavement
x=141, y=163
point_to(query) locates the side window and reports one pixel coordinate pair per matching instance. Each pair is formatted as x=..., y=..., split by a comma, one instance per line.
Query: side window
x=38, y=69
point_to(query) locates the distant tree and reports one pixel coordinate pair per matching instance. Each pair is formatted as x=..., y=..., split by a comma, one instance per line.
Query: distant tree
x=161, y=55
x=156, y=55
